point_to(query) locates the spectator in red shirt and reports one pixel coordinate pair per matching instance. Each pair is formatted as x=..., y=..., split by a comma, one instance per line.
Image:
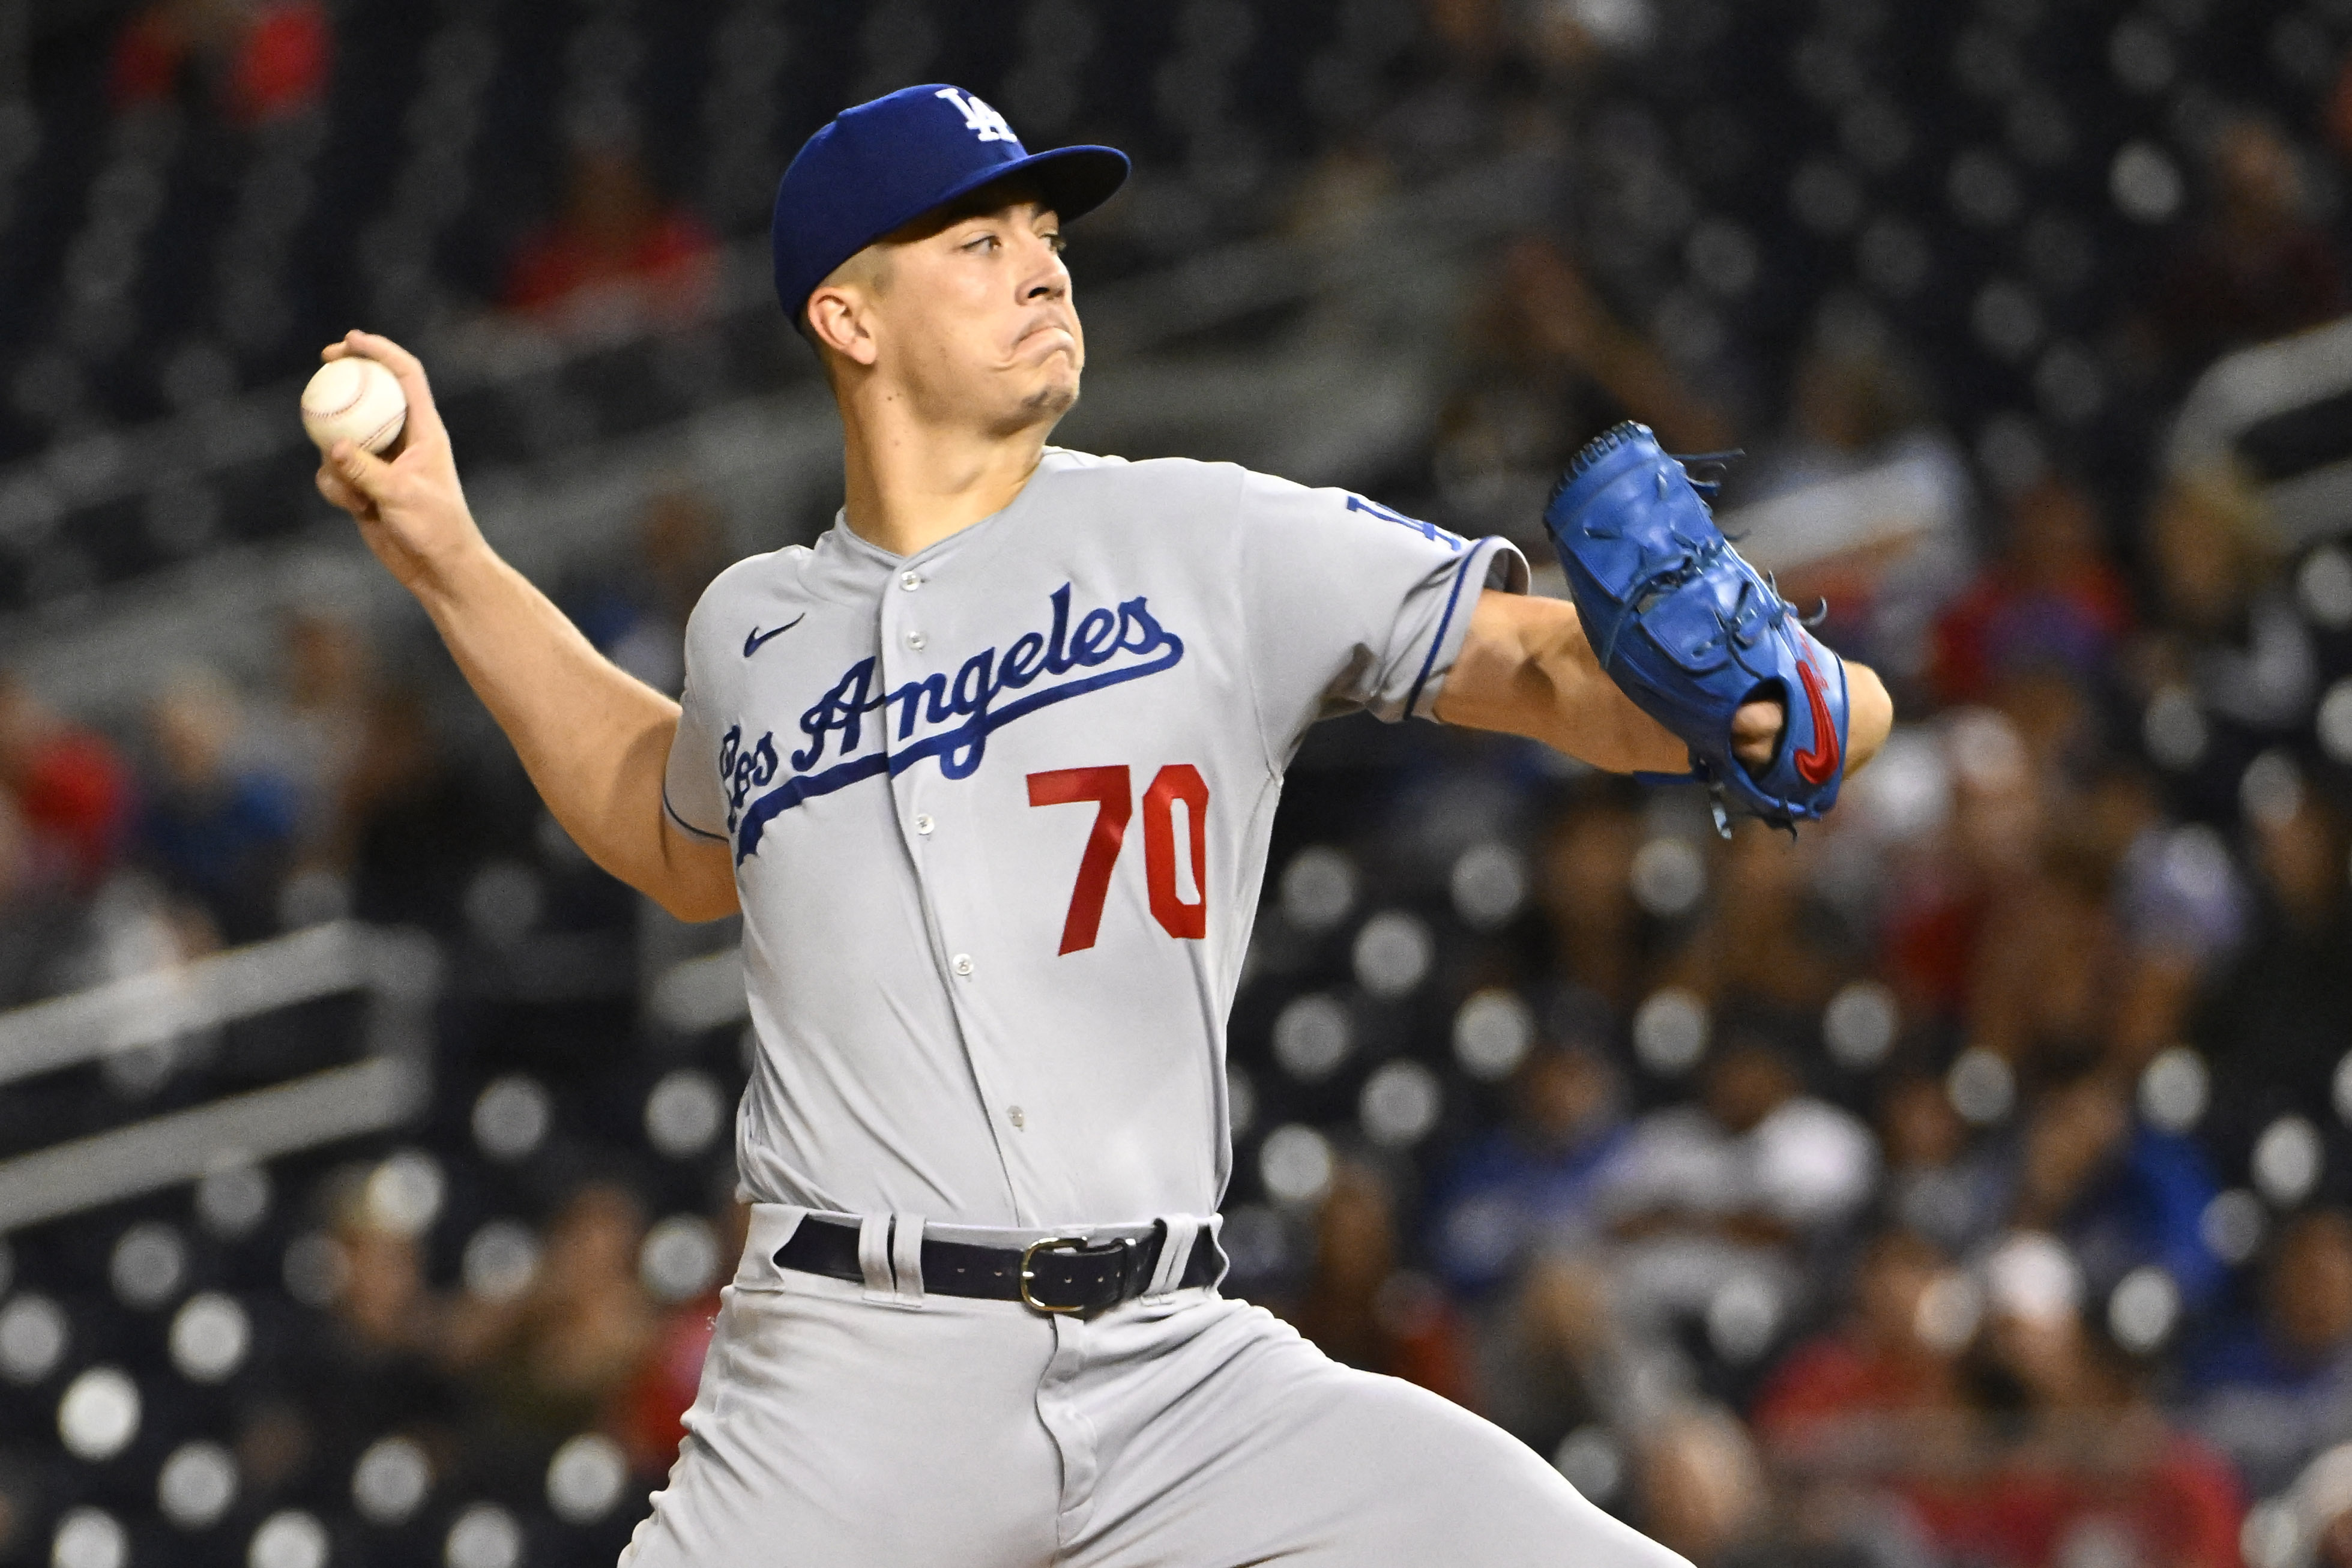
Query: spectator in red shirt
x=1843, y=1388
x=2052, y=598
x=271, y=59
x=2078, y=1459
x=1983, y=847
x=617, y=252
x=71, y=787
x=652, y=1413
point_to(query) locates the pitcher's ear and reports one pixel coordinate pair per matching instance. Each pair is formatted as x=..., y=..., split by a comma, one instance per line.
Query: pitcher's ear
x=837, y=319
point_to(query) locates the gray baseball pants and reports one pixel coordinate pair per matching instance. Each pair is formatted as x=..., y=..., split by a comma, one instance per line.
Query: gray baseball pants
x=840, y=1424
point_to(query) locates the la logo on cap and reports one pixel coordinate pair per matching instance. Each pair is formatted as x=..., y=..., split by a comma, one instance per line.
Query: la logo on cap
x=979, y=119
x=877, y=166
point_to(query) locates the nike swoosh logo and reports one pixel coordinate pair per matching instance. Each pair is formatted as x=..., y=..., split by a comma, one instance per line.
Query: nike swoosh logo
x=752, y=644
x=1819, y=764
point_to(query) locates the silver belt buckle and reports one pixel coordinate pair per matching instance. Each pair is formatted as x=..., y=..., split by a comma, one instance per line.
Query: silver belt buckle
x=1029, y=1254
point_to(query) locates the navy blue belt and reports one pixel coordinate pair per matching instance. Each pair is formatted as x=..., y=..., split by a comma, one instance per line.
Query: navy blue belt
x=1057, y=1274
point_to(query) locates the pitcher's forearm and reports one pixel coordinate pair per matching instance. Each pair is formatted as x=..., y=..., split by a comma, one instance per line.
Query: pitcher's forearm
x=593, y=739
x=1526, y=668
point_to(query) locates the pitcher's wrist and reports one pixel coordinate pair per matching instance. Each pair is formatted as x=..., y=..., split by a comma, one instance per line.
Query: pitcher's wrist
x=446, y=578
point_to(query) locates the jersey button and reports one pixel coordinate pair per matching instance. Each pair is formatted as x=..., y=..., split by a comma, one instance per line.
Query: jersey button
x=911, y=581
x=923, y=824
x=961, y=964
x=916, y=640
x=1016, y=1116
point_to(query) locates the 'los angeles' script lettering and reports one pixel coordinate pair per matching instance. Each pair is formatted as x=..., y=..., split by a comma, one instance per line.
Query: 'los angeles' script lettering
x=943, y=716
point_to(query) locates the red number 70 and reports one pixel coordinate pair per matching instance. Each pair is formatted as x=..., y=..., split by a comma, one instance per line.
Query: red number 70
x=1113, y=792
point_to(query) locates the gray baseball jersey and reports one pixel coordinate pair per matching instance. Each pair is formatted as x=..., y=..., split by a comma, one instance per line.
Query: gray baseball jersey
x=999, y=809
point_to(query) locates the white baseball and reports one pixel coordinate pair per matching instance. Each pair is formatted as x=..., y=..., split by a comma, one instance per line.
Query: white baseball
x=353, y=399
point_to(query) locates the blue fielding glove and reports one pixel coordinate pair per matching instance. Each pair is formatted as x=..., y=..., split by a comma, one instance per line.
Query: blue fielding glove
x=1690, y=631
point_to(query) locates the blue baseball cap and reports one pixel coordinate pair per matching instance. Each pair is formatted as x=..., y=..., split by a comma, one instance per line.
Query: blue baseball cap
x=885, y=164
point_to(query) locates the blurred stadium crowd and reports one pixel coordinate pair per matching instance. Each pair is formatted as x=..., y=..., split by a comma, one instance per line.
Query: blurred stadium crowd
x=1968, y=1181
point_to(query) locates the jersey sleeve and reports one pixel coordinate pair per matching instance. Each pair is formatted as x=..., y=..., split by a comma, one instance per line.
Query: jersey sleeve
x=1350, y=605
x=690, y=787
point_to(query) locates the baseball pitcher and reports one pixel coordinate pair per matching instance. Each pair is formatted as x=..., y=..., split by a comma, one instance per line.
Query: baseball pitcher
x=990, y=770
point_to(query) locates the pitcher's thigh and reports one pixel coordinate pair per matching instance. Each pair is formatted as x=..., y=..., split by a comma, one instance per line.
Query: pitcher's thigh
x=838, y=1433
x=1299, y=1461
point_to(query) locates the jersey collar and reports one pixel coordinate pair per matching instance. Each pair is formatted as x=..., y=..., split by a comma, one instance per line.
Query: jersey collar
x=850, y=564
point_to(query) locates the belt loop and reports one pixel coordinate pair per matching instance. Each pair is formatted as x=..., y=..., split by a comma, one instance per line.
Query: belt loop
x=874, y=1257
x=907, y=1257
x=1211, y=1237
x=1178, y=1233
x=770, y=1226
